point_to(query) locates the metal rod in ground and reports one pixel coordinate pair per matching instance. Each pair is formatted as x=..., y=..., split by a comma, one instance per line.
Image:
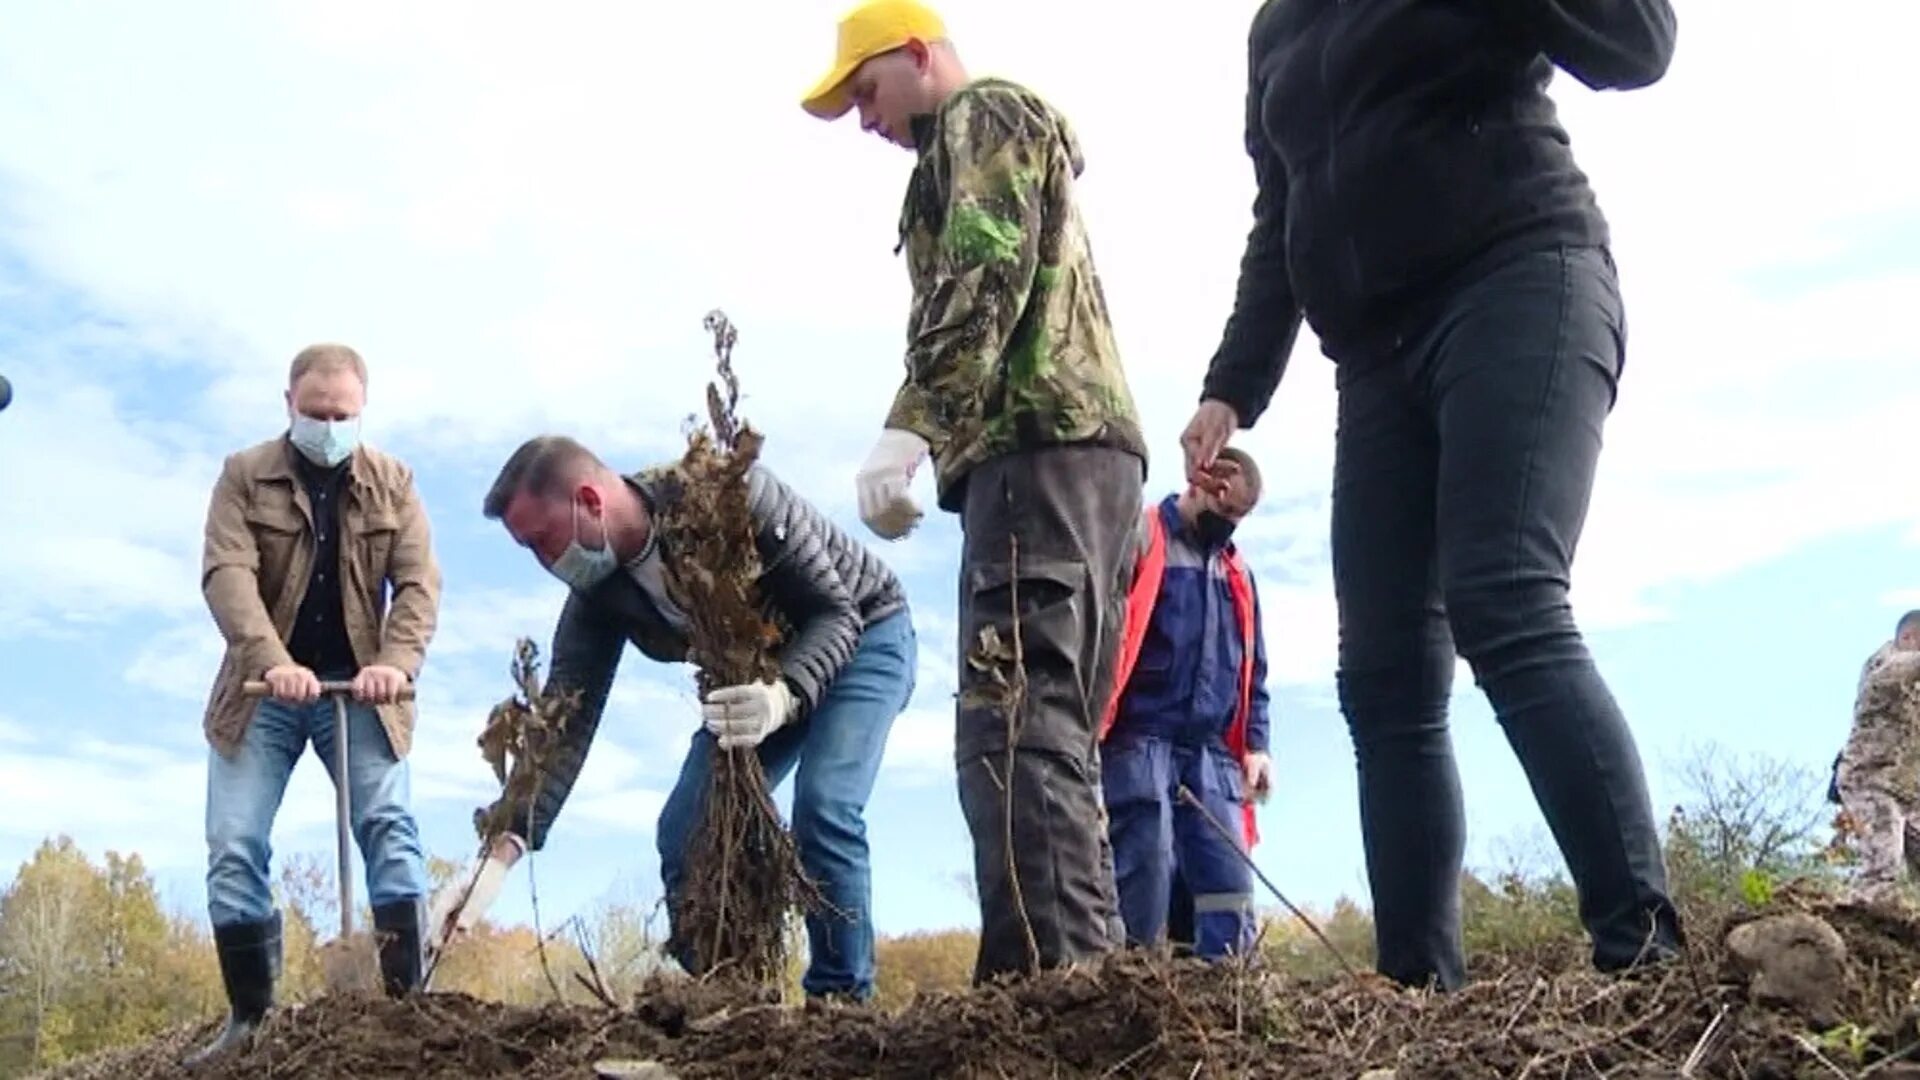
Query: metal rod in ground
x=343, y=812
x=1233, y=841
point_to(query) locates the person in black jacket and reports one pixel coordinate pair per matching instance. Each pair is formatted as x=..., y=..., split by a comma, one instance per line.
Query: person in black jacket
x=1418, y=205
x=847, y=659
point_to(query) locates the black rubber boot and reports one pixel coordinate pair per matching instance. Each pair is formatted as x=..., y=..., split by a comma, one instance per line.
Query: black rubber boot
x=400, y=928
x=250, y=959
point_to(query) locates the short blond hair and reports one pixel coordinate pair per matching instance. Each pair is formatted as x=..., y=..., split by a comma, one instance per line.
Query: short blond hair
x=326, y=357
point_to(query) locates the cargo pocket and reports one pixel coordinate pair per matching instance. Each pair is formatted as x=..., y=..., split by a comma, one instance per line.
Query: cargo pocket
x=278, y=527
x=1050, y=597
x=378, y=531
x=1228, y=779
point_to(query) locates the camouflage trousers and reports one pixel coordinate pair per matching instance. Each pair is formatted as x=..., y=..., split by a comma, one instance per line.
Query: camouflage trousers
x=1879, y=779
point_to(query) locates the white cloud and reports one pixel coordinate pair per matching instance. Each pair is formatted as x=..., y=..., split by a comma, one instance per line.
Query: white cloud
x=104, y=511
x=123, y=797
x=179, y=662
x=633, y=810
x=482, y=625
x=920, y=746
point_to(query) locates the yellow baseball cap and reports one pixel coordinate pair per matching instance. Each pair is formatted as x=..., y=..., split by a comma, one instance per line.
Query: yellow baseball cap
x=873, y=28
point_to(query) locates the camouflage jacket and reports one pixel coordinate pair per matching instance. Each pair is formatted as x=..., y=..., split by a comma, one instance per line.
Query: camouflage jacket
x=1008, y=342
x=1872, y=667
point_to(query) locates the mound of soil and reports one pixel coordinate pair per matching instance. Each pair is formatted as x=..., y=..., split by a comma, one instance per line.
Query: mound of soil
x=1135, y=1015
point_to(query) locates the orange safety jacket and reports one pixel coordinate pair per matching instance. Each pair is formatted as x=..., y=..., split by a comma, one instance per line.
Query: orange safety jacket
x=1147, y=575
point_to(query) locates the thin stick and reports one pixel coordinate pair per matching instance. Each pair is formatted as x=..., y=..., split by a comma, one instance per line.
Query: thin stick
x=1808, y=1046
x=1233, y=841
x=598, y=987
x=453, y=917
x=1016, y=704
x=1532, y=992
x=1891, y=1059
x=533, y=889
x=1126, y=1063
x=1708, y=1045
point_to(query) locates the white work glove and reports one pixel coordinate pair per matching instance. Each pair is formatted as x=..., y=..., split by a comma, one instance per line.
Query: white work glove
x=506, y=851
x=744, y=715
x=1259, y=776
x=883, y=483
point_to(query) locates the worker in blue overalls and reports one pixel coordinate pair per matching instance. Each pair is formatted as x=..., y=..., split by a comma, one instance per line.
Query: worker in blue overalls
x=1189, y=709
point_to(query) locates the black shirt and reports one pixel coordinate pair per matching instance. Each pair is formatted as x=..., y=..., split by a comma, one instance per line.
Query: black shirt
x=320, y=641
x=1401, y=148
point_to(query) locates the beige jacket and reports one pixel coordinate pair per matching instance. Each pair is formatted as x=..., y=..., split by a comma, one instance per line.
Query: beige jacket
x=258, y=557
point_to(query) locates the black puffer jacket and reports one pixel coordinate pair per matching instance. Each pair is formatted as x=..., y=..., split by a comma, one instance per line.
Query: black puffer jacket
x=1402, y=146
x=819, y=585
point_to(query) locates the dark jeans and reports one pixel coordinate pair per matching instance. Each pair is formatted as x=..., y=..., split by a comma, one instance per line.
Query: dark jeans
x=1462, y=473
x=1046, y=869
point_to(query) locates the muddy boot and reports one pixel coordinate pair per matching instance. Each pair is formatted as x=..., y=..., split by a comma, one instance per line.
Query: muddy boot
x=400, y=928
x=250, y=960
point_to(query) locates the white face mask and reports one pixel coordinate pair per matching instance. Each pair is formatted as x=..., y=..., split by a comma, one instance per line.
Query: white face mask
x=325, y=442
x=582, y=567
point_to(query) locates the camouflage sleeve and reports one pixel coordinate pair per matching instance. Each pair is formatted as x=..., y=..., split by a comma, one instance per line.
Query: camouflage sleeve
x=991, y=164
x=1867, y=669
x=1260, y=333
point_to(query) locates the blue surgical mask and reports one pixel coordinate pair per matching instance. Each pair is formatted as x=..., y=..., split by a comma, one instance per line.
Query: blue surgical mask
x=580, y=567
x=325, y=442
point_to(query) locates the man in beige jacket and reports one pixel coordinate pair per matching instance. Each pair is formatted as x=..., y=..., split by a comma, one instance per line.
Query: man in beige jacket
x=308, y=534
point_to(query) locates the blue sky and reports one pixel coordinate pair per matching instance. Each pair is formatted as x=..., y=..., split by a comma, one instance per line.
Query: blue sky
x=520, y=222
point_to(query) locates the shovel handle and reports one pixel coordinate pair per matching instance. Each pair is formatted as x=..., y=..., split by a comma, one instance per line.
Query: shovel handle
x=258, y=688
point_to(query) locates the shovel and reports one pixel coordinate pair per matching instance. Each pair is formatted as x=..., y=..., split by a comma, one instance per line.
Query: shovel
x=347, y=963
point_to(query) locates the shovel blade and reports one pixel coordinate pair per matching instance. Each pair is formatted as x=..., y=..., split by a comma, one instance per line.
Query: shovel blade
x=351, y=965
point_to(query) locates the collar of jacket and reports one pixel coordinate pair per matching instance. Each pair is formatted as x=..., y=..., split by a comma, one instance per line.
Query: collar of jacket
x=645, y=485
x=921, y=125
x=1179, y=526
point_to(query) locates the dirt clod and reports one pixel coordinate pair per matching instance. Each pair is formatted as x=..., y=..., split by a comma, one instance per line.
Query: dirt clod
x=1797, y=961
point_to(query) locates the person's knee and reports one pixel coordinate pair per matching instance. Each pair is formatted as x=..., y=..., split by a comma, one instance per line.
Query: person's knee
x=1405, y=679
x=238, y=840
x=1505, y=622
x=830, y=830
x=238, y=887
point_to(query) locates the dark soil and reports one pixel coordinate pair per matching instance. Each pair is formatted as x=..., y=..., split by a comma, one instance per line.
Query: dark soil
x=1135, y=1016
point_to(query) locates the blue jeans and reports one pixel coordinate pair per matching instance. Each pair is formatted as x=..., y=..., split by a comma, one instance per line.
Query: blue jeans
x=1159, y=840
x=244, y=793
x=838, y=749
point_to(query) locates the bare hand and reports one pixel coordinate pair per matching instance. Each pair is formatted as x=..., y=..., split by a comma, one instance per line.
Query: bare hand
x=1207, y=433
x=378, y=684
x=1259, y=777
x=292, y=682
